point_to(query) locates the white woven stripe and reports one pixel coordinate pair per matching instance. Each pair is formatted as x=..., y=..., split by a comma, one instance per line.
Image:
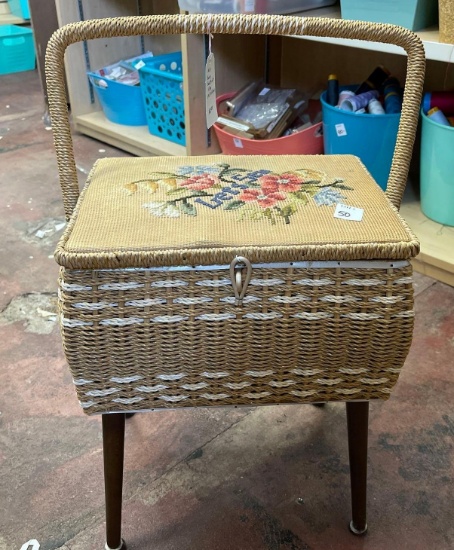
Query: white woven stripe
x=404, y=281
x=214, y=283
x=192, y=301
x=314, y=282
x=215, y=396
x=215, y=316
x=405, y=314
x=312, y=316
x=258, y=395
x=263, y=316
x=346, y=391
x=193, y=387
x=386, y=299
x=345, y=370
x=214, y=374
x=306, y=372
x=125, y=379
x=362, y=316
x=82, y=381
x=259, y=373
x=169, y=318
x=394, y=370
x=169, y=284
x=363, y=282
x=73, y=323
x=345, y=299
x=146, y=302
x=151, y=389
x=246, y=299
x=127, y=400
x=300, y=393
x=173, y=398
x=266, y=282
x=122, y=321
x=385, y=390
x=289, y=299
x=121, y=286
x=94, y=306
x=87, y=404
x=237, y=386
x=70, y=287
x=101, y=393
x=171, y=377
x=374, y=381
x=329, y=382
x=282, y=384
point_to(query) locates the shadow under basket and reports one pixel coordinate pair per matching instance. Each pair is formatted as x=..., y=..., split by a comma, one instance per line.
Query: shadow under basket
x=306, y=142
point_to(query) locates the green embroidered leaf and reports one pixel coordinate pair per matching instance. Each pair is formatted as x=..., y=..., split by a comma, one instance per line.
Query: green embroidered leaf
x=301, y=196
x=177, y=191
x=188, y=208
x=288, y=210
x=234, y=205
x=344, y=187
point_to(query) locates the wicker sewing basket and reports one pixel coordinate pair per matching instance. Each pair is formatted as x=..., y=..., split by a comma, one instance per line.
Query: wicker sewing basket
x=198, y=281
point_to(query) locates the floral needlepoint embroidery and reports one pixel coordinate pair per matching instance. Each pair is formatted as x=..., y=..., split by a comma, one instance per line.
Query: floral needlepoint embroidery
x=255, y=194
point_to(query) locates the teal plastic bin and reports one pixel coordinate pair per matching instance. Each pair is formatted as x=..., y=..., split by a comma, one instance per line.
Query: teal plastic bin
x=437, y=171
x=372, y=138
x=19, y=8
x=412, y=14
x=17, y=49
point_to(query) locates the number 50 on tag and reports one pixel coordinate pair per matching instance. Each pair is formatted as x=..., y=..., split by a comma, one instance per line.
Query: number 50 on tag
x=350, y=213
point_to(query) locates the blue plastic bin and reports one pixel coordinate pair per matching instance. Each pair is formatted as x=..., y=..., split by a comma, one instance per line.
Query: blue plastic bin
x=412, y=14
x=17, y=49
x=19, y=8
x=372, y=138
x=437, y=171
x=121, y=103
x=162, y=89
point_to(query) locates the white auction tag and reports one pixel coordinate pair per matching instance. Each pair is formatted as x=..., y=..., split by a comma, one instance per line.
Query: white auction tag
x=31, y=545
x=350, y=213
x=238, y=143
x=210, y=92
x=139, y=65
x=341, y=130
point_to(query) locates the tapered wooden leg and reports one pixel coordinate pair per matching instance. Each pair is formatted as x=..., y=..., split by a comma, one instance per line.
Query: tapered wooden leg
x=358, y=424
x=113, y=434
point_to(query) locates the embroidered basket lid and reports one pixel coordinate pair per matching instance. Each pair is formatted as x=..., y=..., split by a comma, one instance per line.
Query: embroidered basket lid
x=164, y=211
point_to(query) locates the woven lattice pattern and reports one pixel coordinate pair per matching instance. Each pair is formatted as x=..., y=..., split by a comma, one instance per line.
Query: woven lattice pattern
x=141, y=339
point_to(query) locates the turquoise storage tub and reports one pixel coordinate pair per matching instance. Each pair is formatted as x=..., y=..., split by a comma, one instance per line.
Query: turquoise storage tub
x=437, y=171
x=121, y=103
x=162, y=88
x=412, y=14
x=17, y=49
x=19, y=8
x=372, y=138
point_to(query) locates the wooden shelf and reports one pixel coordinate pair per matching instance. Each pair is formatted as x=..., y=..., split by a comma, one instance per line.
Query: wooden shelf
x=435, y=50
x=134, y=139
x=436, y=258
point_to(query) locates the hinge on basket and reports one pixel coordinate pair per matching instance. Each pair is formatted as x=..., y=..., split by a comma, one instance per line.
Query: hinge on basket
x=240, y=266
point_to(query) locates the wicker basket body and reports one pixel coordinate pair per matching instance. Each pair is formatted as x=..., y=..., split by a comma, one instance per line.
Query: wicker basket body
x=226, y=280
x=147, y=338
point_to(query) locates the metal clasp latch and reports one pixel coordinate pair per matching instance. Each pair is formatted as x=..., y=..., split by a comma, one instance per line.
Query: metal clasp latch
x=237, y=268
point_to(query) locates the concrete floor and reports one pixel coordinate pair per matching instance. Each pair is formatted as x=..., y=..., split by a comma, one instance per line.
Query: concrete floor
x=272, y=478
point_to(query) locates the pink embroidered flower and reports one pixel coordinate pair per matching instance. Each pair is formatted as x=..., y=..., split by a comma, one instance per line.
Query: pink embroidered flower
x=265, y=200
x=280, y=182
x=200, y=182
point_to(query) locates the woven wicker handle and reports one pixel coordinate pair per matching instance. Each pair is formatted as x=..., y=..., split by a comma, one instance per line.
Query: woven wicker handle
x=231, y=24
